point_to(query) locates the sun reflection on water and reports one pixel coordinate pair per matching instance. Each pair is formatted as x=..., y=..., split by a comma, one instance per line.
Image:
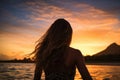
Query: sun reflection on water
x=22, y=71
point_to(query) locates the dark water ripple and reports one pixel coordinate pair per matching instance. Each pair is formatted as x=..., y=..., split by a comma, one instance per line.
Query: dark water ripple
x=23, y=71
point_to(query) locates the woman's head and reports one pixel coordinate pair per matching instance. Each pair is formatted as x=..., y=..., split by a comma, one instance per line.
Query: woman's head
x=58, y=35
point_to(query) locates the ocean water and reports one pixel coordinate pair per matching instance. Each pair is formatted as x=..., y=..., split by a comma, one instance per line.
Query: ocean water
x=25, y=71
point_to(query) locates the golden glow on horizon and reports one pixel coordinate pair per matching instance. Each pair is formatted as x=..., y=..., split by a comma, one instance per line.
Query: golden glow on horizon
x=93, y=29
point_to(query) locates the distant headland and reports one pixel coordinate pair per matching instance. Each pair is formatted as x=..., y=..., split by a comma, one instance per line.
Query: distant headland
x=110, y=54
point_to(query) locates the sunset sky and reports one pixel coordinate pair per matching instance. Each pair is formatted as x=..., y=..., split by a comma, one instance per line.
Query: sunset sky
x=95, y=23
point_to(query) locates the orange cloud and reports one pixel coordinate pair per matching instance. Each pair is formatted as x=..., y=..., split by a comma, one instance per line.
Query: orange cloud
x=94, y=29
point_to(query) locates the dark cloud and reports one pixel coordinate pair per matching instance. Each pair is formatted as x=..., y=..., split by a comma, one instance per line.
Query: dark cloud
x=110, y=6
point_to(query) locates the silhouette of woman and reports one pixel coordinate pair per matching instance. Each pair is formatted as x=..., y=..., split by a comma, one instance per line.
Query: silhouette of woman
x=55, y=57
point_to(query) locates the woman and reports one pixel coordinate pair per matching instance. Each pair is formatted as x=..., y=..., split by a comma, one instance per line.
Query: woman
x=55, y=57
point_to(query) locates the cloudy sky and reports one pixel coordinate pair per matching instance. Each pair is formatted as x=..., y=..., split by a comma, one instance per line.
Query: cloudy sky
x=96, y=24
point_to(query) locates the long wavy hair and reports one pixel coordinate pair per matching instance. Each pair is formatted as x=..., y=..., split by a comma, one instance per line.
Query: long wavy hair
x=57, y=36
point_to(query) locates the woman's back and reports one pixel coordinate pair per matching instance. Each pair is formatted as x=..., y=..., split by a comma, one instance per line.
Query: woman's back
x=63, y=67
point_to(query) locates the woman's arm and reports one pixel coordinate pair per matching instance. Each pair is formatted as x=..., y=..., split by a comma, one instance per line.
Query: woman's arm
x=81, y=66
x=38, y=72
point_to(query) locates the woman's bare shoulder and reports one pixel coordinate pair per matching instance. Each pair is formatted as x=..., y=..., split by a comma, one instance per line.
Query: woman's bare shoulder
x=74, y=51
x=75, y=54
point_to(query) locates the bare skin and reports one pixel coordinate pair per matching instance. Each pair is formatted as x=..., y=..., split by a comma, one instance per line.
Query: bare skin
x=73, y=58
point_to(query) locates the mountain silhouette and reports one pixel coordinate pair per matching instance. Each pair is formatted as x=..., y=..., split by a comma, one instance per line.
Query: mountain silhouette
x=110, y=54
x=112, y=49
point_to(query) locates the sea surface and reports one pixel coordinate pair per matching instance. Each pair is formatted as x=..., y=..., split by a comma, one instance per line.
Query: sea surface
x=25, y=71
